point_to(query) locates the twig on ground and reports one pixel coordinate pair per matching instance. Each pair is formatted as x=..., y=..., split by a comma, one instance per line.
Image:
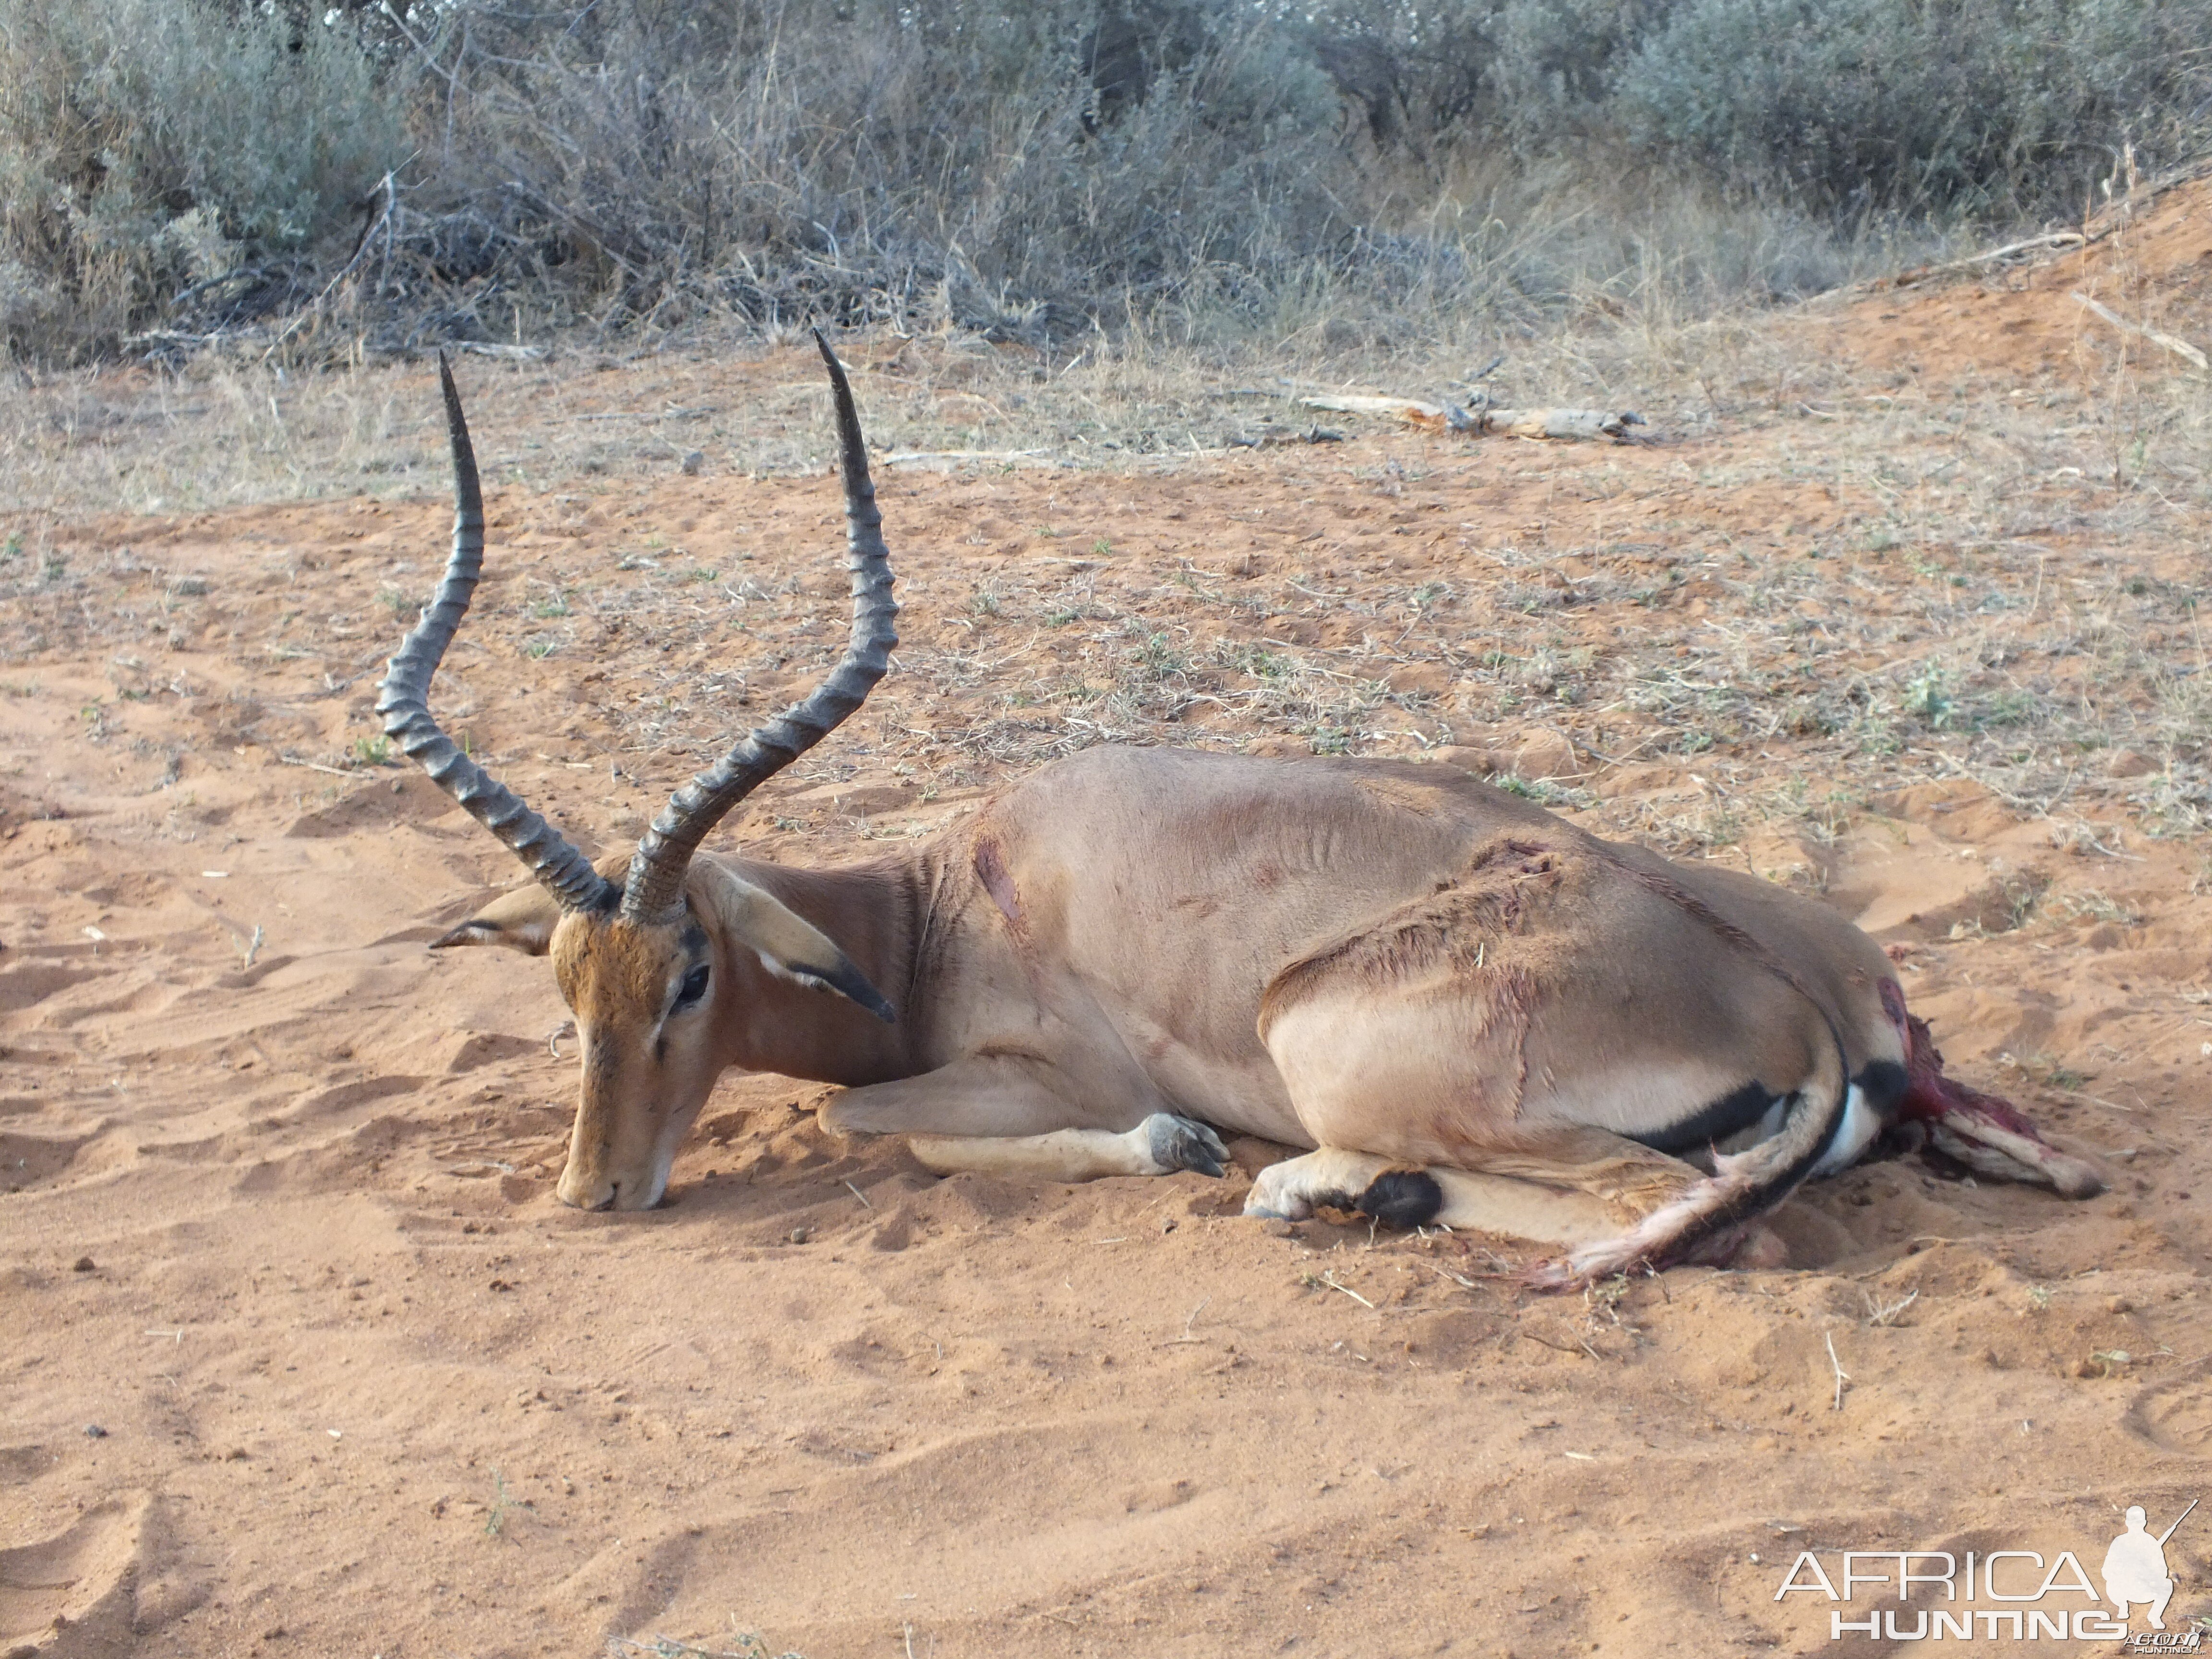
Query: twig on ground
x=1328, y=1280
x=1186, y=1336
x=1885, y=1313
x=2055, y=239
x=2179, y=348
x=1482, y=422
x=1842, y=1375
x=314, y=766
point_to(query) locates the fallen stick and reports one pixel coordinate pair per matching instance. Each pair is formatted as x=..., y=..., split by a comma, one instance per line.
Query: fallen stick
x=950, y=458
x=1351, y=404
x=2179, y=348
x=1921, y=273
x=1567, y=423
x=2112, y=216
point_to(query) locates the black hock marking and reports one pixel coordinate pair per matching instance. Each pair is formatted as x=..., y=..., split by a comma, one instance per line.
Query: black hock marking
x=1713, y=1122
x=1881, y=1082
x=1402, y=1198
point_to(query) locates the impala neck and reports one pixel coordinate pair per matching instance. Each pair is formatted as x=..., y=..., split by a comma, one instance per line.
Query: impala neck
x=874, y=912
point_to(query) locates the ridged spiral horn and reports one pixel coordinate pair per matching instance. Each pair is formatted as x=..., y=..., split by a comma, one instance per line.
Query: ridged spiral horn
x=656, y=870
x=403, y=700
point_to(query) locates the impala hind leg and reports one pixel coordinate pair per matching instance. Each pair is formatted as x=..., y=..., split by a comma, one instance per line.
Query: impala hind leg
x=1587, y=1209
x=1008, y=1116
x=1405, y=1195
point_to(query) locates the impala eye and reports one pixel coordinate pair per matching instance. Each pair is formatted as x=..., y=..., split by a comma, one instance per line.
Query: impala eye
x=695, y=987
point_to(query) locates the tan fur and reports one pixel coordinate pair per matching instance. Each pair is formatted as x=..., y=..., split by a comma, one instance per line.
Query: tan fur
x=1373, y=958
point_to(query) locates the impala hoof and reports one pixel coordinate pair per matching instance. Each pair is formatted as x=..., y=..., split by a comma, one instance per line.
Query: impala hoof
x=1181, y=1143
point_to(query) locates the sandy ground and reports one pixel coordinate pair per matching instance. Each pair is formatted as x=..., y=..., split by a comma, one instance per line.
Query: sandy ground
x=301, y=1355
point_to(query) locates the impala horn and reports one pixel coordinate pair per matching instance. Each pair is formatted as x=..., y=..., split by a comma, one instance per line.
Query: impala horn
x=656, y=870
x=404, y=701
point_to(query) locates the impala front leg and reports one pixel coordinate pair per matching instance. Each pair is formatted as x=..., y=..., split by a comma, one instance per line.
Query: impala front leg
x=1008, y=1116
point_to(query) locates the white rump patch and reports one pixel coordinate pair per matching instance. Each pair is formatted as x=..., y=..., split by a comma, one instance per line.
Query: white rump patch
x=1853, y=1135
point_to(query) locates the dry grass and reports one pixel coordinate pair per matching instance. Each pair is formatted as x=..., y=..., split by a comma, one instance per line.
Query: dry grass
x=1824, y=582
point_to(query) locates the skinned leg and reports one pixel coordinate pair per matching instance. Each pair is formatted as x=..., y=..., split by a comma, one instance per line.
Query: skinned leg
x=1008, y=1115
x=1483, y=1201
x=1625, y=1180
x=1390, y=1191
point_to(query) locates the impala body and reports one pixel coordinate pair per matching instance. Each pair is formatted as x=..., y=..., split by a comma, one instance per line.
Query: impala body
x=1442, y=990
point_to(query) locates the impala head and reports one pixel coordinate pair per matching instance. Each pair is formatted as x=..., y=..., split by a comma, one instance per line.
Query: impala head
x=657, y=958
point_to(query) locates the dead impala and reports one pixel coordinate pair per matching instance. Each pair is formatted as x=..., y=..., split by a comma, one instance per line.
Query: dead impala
x=1445, y=991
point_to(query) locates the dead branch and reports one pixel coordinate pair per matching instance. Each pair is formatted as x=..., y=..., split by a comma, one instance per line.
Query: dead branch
x=2057, y=239
x=1564, y=423
x=2179, y=348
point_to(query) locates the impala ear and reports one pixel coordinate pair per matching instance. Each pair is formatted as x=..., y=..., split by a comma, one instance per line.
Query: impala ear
x=521, y=920
x=788, y=946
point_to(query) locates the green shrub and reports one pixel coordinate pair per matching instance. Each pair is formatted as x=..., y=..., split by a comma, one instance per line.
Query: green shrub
x=1349, y=171
x=1982, y=105
x=149, y=145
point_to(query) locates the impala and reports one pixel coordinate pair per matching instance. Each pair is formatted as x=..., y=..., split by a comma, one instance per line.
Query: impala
x=1442, y=990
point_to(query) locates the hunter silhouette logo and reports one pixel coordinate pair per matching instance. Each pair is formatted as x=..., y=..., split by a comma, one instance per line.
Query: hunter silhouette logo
x=2134, y=1566
x=2013, y=1594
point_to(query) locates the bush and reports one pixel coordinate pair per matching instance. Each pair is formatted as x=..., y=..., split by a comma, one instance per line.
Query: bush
x=1006, y=168
x=149, y=145
x=1987, y=107
x=1204, y=167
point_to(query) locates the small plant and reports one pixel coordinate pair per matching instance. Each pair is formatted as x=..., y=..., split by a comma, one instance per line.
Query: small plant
x=372, y=752
x=12, y=549
x=2090, y=905
x=496, y=1520
x=1258, y=661
x=538, y=650
x=555, y=604
x=1157, y=658
x=1880, y=1313
x=1928, y=697
x=2007, y=708
x=1103, y=548
x=395, y=601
